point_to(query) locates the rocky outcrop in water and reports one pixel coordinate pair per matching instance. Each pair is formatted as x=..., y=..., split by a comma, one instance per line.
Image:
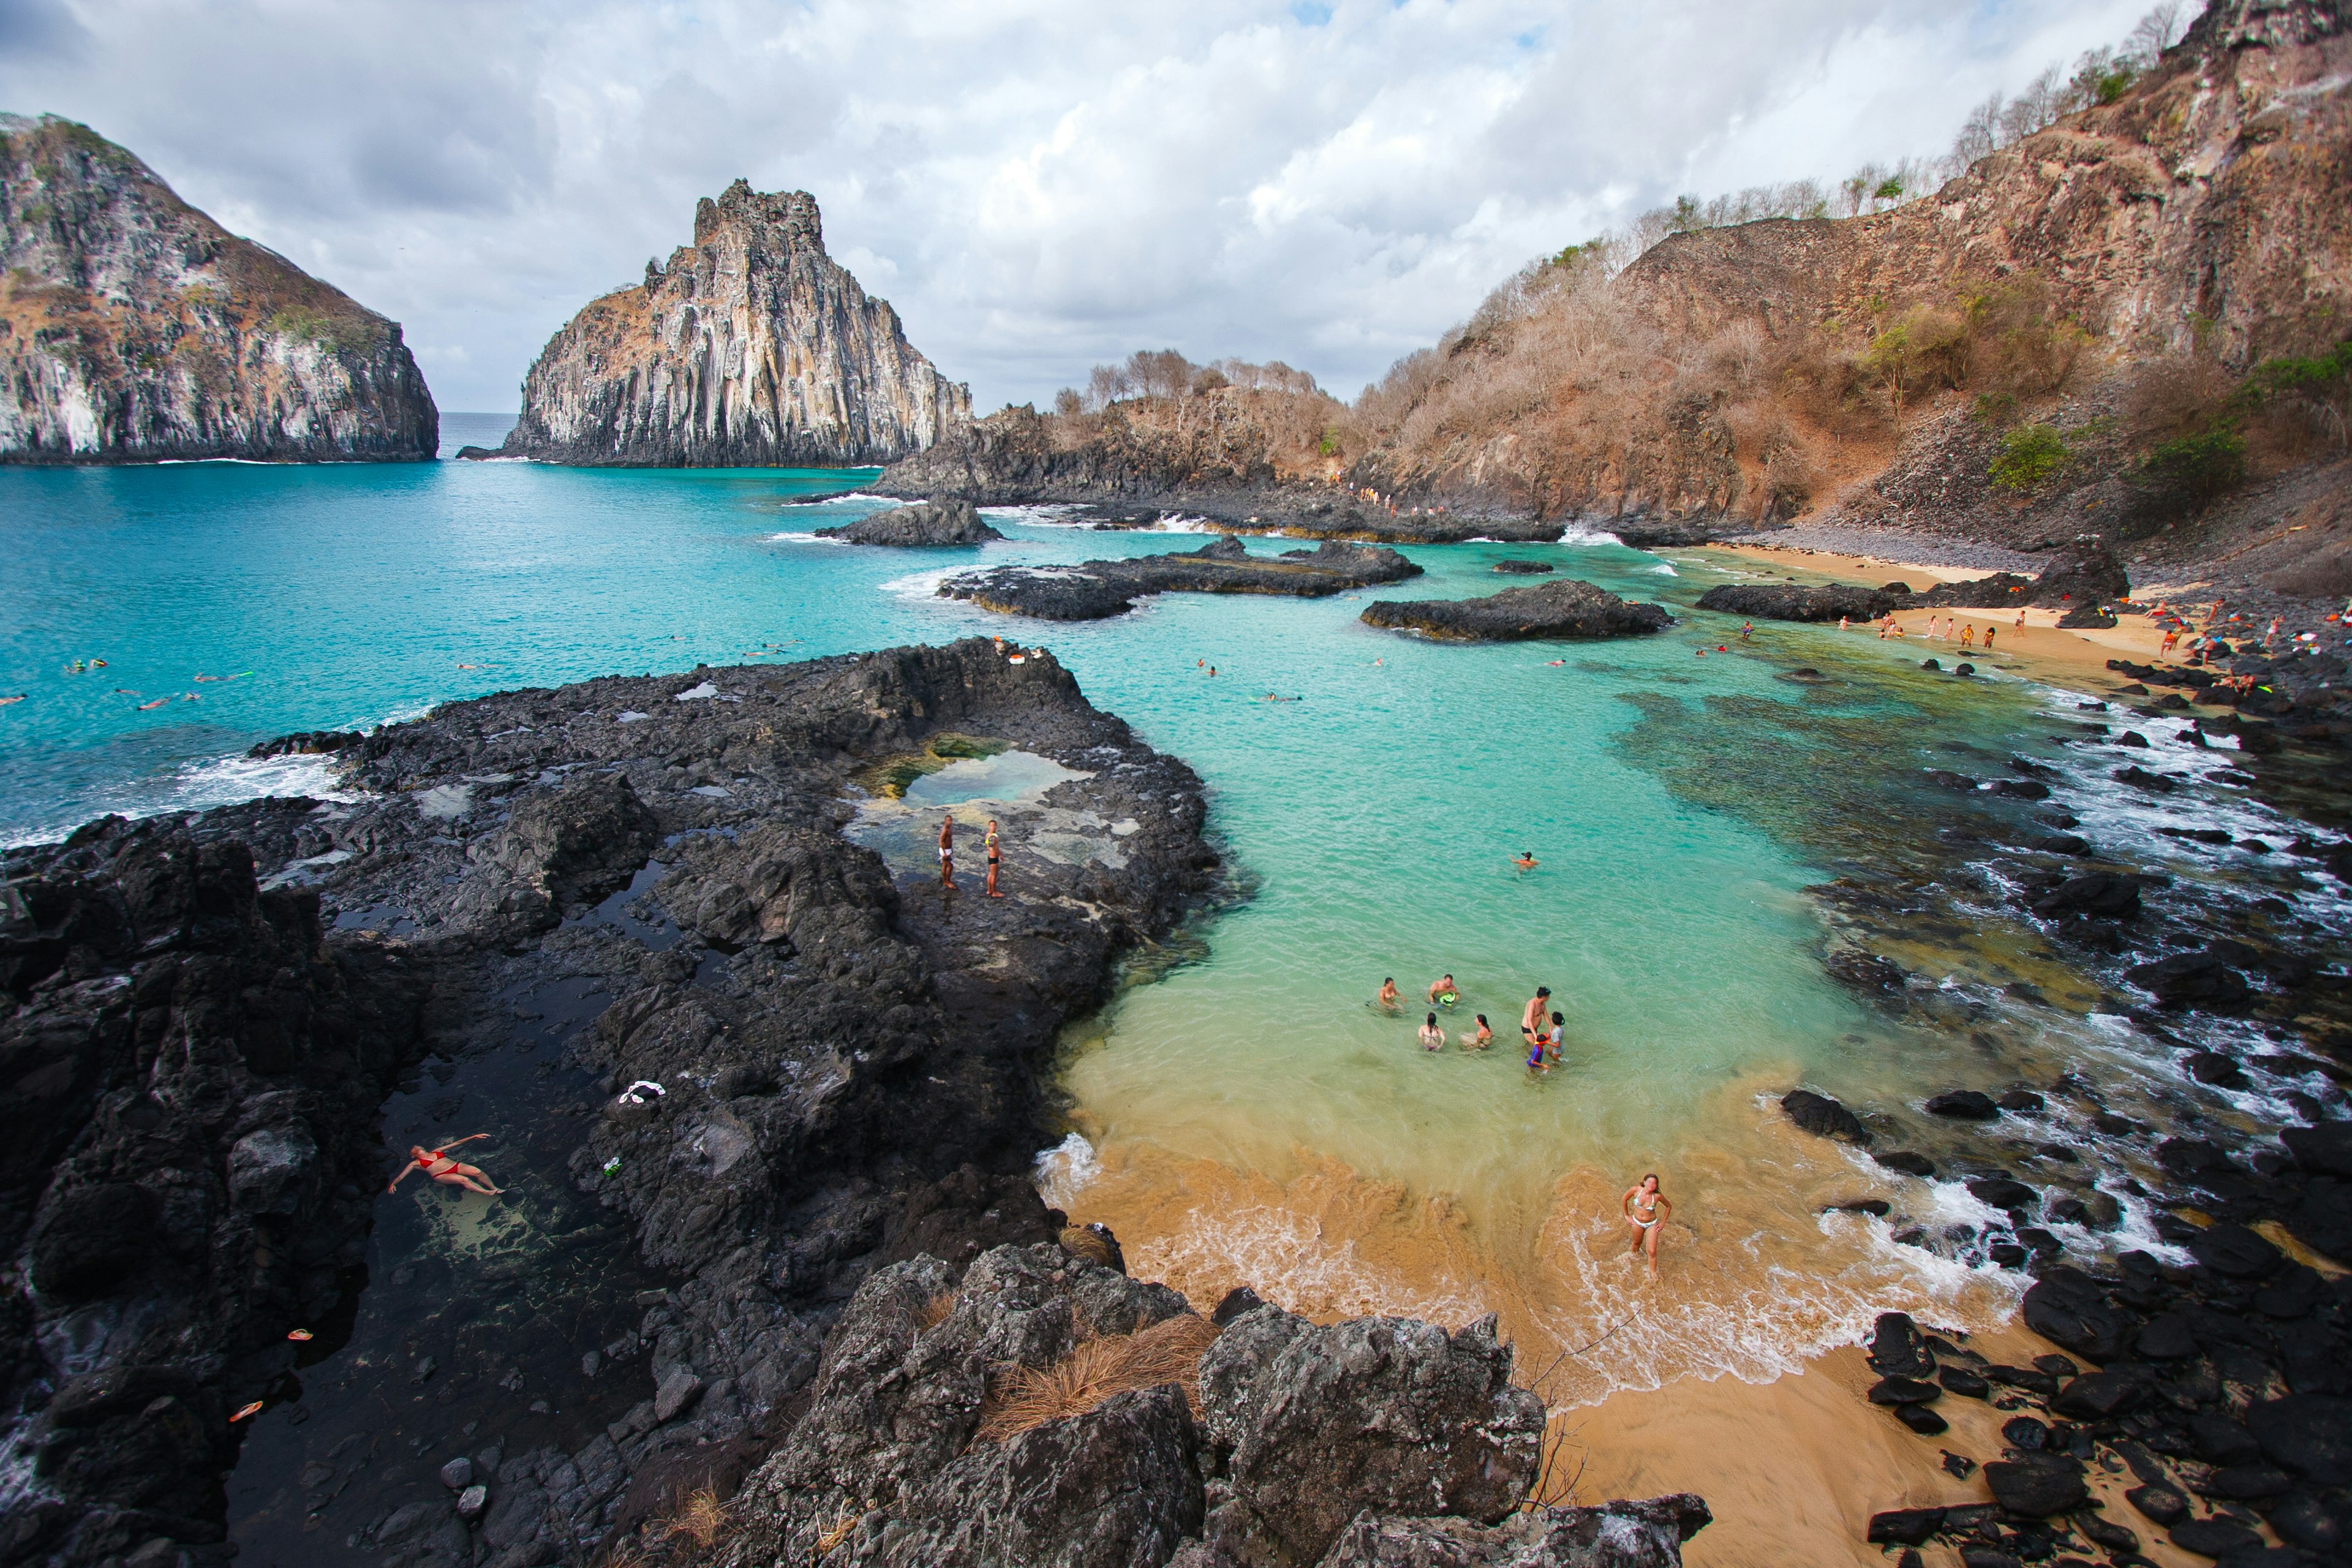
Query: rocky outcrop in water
x=1096, y=590
x=1269, y=1441
x=2080, y=579
x=926, y=525
x=134, y=327
x=750, y=347
x=1564, y=610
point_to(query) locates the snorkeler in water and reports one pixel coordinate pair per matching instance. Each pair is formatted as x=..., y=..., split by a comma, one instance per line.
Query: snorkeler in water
x=437, y=1164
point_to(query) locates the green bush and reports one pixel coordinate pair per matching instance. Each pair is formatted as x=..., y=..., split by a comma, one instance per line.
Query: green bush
x=2029, y=458
x=2189, y=473
x=1995, y=410
x=1332, y=442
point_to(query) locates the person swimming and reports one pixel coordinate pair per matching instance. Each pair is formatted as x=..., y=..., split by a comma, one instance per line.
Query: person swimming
x=1432, y=1038
x=1443, y=992
x=1479, y=1040
x=1645, y=1209
x=4, y=701
x=1526, y=860
x=1390, y=997
x=438, y=1165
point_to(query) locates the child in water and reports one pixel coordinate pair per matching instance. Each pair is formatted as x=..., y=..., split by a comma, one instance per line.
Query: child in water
x=1552, y=1037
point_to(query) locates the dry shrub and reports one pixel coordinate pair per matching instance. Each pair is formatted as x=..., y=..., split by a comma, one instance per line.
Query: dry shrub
x=2173, y=395
x=934, y=1313
x=1097, y=1369
x=701, y=1519
x=834, y=1532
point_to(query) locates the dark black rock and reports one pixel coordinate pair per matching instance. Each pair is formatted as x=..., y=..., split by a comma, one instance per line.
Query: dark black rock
x=2132, y=738
x=2166, y=1338
x=1904, y=1391
x=2140, y=778
x=1822, y=1117
x=307, y=743
x=2190, y=980
x=2100, y=1395
x=2213, y=1067
x=2023, y=1101
x=1959, y=1467
x=2025, y=1434
x=2248, y=1483
x=2029, y=1379
x=1787, y=602
x=1877, y=1208
x=2068, y=1308
x=1516, y=568
x=1565, y=610
x=2324, y=1148
x=2309, y=1435
x=1239, y=1300
x=1905, y=1161
x=2235, y=1252
x=1963, y=1104
x=2308, y=1520
x=2160, y=1503
x=1963, y=1381
x=1865, y=972
x=2036, y=1490
x=1905, y=1526
x=2214, y=1537
x=926, y=525
x=2102, y=893
x=1097, y=589
x=1922, y=1420
x=2001, y=1191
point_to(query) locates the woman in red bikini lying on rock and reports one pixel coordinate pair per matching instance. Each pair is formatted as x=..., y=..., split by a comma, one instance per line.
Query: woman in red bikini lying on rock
x=437, y=1164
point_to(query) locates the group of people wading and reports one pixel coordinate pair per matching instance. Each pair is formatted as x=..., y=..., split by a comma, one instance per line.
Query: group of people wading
x=1541, y=1028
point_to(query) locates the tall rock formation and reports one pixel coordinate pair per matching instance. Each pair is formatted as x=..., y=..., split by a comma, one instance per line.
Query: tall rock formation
x=134, y=327
x=751, y=347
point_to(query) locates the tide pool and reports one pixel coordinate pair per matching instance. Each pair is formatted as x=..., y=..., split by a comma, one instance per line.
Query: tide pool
x=1250, y=1117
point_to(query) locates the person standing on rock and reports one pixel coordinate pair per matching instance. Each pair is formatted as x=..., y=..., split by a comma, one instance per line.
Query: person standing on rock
x=947, y=851
x=995, y=854
x=1645, y=1209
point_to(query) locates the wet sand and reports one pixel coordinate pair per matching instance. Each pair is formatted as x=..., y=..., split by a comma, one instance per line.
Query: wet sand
x=2037, y=649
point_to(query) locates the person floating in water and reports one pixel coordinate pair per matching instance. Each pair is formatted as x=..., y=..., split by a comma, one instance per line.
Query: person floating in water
x=1389, y=997
x=1444, y=990
x=1526, y=861
x=947, y=851
x=4, y=701
x=1645, y=1209
x=437, y=1164
x=995, y=855
x=1531, y=1020
x=1432, y=1038
x=1479, y=1040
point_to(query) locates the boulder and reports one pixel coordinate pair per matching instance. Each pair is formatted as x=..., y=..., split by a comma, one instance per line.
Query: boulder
x=2190, y=980
x=1563, y=610
x=2096, y=1396
x=1897, y=1348
x=2070, y=1309
x=2235, y=1252
x=1522, y=568
x=1789, y=602
x=1907, y=1162
x=2309, y=1435
x=1895, y=1390
x=1963, y=1104
x=269, y=1169
x=2327, y=1148
x=1094, y=590
x=2036, y=1487
x=1646, y=1534
x=89, y=1237
x=2001, y=1191
x=1905, y=1526
x=2161, y=1503
x=1384, y=1414
x=2105, y=894
x=1822, y=1117
x=927, y=525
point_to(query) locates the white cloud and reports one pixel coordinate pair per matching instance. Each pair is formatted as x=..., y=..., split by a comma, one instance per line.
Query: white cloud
x=1035, y=184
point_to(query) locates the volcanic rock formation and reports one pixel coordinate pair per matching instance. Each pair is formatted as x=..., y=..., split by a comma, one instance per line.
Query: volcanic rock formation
x=1565, y=609
x=134, y=327
x=928, y=524
x=751, y=347
x=1096, y=590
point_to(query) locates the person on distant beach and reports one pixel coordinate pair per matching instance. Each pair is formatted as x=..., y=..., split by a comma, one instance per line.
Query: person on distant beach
x=1969, y=635
x=995, y=854
x=1526, y=860
x=1531, y=1020
x=1747, y=630
x=1645, y=1209
x=1479, y=1040
x=1432, y=1038
x=1389, y=997
x=1843, y=622
x=2171, y=638
x=947, y=851
x=437, y=1164
x=1989, y=631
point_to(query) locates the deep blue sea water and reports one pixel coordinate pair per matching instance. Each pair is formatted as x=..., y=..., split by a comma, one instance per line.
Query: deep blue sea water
x=1249, y=1117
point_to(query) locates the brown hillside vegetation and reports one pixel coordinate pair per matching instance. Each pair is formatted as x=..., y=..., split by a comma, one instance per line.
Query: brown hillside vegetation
x=2095, y=291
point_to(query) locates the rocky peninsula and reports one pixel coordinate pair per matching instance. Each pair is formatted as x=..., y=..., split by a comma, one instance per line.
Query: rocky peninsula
x=1567, y=610
x=806, y=1081
x=2083, y=578
x=1097, y=590
x=752, y=346
x=924, y=525
x=134, y=329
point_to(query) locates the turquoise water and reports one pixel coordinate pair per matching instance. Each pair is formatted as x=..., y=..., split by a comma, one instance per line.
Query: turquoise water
x=1252, y=1116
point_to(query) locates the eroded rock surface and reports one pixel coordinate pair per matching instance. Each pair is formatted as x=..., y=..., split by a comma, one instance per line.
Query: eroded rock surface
x=1563, y=610
x=928, y=524
x=1096, y=590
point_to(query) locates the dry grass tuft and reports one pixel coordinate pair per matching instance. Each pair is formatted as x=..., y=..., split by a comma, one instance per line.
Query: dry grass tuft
x=934, y=1313
x=1097, y=1369
x=831, y=1535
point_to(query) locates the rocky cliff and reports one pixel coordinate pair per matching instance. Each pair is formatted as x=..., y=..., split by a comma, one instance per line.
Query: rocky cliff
x=751, y=347
x=134, y=327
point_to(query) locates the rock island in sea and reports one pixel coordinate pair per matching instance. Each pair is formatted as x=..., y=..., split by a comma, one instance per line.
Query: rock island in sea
x=133, y=328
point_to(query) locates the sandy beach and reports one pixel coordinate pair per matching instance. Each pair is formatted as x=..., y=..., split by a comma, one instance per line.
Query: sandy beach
x=2037, y=649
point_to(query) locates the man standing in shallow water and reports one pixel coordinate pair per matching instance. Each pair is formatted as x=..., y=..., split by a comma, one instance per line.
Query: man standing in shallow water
x=1531, y=1022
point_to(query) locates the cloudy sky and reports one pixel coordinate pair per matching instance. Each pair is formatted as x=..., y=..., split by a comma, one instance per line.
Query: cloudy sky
x=1035, y=184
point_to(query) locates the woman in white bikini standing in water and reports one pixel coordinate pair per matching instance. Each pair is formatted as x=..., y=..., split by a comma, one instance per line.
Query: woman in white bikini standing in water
x=1645, y=1210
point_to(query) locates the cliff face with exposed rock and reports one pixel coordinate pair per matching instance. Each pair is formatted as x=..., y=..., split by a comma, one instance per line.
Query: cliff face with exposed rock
x=133, y=328
x=751, y=347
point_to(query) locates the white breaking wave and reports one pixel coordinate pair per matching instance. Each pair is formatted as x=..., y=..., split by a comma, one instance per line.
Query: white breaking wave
x=1575, y=535
x=805, y=539
x=920, y=584
x=1065, y=1171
